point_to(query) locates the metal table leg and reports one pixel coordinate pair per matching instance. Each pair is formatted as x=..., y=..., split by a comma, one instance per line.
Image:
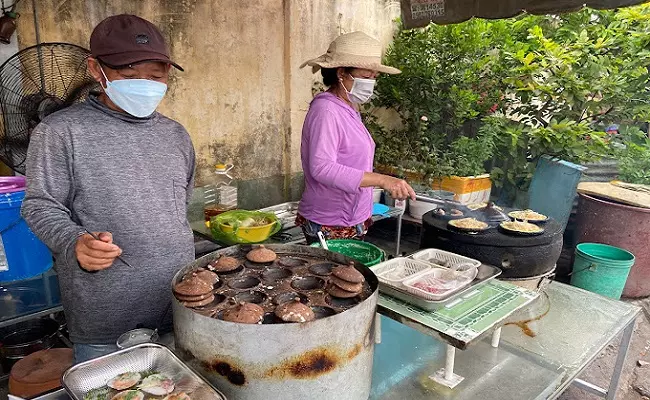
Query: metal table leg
x=398, y=239
x=610, y=393
x=445, y=376
x=620, y=360
x=496, y=337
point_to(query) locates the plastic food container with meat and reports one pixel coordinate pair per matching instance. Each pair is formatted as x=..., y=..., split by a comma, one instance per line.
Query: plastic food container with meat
x=440, y=283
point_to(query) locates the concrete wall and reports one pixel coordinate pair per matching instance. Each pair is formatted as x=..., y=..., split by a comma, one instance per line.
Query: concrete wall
x=242, y=97
x=6, y=51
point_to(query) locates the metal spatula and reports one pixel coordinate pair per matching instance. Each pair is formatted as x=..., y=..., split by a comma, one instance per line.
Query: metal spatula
x=323, y=242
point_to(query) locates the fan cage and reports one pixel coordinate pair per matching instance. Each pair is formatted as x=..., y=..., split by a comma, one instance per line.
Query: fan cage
x=34, y=83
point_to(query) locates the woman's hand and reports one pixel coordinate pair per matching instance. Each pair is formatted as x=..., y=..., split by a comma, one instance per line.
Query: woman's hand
x=398, y=188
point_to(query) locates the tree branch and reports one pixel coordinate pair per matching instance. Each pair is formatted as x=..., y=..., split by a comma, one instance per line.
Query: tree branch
x=599, y=116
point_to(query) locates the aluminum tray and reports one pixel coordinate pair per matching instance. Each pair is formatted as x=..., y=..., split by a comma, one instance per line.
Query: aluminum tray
x=81, y=378
x=286, y=213
x=485, y=274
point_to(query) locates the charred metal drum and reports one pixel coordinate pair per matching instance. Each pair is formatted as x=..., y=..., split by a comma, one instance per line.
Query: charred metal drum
x=328, y=358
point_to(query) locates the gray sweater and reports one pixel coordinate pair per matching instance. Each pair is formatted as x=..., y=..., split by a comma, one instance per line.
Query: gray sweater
x=89, y=166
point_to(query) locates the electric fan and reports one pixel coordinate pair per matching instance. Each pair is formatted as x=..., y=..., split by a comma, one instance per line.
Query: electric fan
x=34, y=83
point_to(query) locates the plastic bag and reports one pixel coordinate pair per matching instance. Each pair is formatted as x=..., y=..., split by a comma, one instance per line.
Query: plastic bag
x=455, y=277
x=244, y=227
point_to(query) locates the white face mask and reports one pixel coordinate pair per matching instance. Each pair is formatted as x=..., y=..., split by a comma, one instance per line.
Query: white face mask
x=138, y=97
x=362, y=90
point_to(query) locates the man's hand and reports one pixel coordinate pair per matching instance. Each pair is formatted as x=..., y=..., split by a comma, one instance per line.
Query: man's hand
x=96, y=255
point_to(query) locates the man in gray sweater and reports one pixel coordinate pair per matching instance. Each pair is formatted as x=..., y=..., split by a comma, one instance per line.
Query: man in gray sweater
x=116, y=167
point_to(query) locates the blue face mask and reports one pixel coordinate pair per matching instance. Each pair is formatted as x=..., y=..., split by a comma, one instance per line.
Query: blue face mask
x=138, y=97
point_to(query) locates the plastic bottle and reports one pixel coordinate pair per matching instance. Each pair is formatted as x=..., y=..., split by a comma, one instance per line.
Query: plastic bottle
x=219, y=194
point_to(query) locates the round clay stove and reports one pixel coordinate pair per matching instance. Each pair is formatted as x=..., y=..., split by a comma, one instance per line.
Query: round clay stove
x=305, y=286
x=288, y=303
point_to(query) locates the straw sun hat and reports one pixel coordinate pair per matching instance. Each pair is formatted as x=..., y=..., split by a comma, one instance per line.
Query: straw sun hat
x=356, y=50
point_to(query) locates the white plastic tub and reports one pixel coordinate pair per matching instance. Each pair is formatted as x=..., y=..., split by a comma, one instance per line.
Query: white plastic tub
x=376, y=195
x=443, y=258
x=395, y=271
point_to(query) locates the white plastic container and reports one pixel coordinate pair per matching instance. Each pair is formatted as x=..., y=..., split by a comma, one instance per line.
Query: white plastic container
x=376, y=195
x=395, y=271
x=443, y=258
x=418, y=208
x=434, y=278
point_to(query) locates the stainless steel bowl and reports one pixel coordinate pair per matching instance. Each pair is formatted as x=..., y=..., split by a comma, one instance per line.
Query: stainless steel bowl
x=135, y=337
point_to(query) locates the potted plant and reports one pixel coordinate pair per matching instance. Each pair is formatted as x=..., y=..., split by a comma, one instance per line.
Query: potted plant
x=430, y=161
x=446, y=87
x=535, y=85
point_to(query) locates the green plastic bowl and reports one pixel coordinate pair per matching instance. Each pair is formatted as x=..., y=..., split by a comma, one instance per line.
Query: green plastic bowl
x=366, y=253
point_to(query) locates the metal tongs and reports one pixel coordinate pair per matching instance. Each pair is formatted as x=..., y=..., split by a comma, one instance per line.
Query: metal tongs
x=440, y=202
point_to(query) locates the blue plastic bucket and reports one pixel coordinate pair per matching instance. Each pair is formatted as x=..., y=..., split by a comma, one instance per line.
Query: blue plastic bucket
x=22, y=255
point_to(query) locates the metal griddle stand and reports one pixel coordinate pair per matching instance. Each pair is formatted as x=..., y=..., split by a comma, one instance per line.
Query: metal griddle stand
x=577, y=327
x=495, y=302
x=446, y=376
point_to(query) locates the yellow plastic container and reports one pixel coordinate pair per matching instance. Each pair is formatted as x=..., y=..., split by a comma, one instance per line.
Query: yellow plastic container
x=254, y=234
x=466, y=189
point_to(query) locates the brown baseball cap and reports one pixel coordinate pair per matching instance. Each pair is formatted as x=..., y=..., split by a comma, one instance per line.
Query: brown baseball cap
x=125, y=39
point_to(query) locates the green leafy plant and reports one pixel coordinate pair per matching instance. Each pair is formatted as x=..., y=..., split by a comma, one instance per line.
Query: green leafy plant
x=634, y=164
x=554, y=82
x=632, y=150
x=520, y=146
x=446, y=86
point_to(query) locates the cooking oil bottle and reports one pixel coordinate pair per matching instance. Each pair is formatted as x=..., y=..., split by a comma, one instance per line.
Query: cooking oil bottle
x=220, y=194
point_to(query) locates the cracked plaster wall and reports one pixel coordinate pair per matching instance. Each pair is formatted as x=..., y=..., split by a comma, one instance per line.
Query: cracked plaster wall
x=242, y=96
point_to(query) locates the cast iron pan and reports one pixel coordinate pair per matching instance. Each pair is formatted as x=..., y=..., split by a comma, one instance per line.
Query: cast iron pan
x=473, y=231
x=543, y=221
x=518, y=233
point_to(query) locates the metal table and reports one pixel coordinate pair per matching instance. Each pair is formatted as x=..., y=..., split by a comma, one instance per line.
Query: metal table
x=574, y=329
x=29, y=298
x=522, y=367
x=461, y=324
x=577, y=328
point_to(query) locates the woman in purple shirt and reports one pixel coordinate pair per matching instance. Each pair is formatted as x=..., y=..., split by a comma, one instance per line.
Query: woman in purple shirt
x=337, y=150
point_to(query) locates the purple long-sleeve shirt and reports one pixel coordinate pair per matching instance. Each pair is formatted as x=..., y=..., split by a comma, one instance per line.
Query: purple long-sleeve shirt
x=336, y=151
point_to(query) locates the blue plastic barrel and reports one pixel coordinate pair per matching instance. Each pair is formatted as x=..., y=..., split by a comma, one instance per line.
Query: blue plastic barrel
x=22, y=255
x=553, y=188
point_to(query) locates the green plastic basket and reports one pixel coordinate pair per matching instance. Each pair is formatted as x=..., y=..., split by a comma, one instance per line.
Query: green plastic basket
x=366, y=253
